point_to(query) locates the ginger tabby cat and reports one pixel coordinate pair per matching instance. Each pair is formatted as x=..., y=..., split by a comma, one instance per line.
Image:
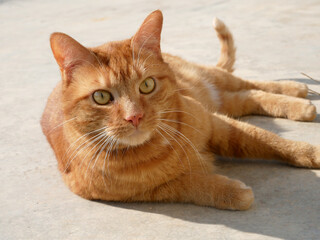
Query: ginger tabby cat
x=130, y=123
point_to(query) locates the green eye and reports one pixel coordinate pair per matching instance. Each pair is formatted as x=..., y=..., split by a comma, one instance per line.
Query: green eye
x=147, y=86
x=102, y=97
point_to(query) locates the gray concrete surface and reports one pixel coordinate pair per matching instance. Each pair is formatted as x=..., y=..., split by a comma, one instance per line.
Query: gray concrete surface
x=275, y=40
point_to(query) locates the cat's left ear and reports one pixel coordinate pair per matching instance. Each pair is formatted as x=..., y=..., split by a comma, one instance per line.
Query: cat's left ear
x=149, y=34
x=69, y=54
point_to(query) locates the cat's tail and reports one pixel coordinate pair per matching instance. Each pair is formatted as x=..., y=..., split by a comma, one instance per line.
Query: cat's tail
x=228, y=50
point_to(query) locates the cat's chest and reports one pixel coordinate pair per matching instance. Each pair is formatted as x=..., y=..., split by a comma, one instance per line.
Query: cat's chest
x=201, y=90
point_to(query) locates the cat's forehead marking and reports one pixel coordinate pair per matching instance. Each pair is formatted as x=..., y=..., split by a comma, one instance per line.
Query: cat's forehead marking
x=120, y=67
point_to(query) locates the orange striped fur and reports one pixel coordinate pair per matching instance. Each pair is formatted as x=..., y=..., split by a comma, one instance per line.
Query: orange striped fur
x=167, y=155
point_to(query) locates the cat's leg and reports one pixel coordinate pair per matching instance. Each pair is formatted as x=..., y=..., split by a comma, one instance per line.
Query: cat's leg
x=237, y=104
x=234, y=138
x=225, y=81
x=207, y=190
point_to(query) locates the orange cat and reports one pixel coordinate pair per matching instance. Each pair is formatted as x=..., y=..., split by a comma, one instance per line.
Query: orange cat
x=130, y=123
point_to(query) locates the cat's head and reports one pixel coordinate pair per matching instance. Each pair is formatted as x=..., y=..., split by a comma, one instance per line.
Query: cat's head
x=120, y=87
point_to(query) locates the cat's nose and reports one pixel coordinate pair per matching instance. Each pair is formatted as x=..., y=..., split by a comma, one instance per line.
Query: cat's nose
x=135, y=119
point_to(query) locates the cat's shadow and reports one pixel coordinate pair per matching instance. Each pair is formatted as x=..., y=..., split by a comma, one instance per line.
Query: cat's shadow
x=286, y=201
x=286, y=198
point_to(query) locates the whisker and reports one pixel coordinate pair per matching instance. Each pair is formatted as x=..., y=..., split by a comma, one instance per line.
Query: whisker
x=179, y=111
x=144, y=42
x=95, y=153
x=61, y=124
x=75, y=153
x=102, y=139
x=170, y=145
x=182, y=123
x=104, y=145
x=146, y=59
x=187, y=140
x=84, y=135
x=99, y=62
x=106, y=142
x=104, y=163
x=163, y=129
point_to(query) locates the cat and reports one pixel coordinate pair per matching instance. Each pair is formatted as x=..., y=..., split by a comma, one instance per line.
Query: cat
x=130, y=123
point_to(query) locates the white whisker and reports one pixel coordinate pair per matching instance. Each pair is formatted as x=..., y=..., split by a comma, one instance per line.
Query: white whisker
x=82, y=136
x=146, y=59
x=88, y=143
x=95, y=153
x=103, y=138
x=104, y=161
x=104, y=145
x=61, y=124
x=175, y=121
x=170, y=145
x=187, y=140
x=144, y=42
x=178, y=111
x=163, y=128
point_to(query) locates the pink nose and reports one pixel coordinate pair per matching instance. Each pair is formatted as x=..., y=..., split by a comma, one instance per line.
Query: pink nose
x=135, y=119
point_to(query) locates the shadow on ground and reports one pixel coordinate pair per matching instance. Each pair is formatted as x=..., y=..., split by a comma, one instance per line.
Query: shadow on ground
x=286, y=198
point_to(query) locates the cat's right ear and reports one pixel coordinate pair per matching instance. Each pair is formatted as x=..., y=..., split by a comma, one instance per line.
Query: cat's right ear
x=149, y=34
x=69, y=53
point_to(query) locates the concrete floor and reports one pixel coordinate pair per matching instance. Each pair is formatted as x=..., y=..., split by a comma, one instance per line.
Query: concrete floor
x=275, y=40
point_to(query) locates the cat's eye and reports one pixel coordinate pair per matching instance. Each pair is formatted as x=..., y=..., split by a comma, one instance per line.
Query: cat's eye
x=147, y=86
x=102, y=97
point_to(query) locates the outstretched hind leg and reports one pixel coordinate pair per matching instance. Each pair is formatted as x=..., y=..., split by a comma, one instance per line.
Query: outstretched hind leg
x=237, y=104
x=225, y=81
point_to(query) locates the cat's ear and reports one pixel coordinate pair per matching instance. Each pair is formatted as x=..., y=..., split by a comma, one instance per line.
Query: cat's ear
x=149, y=34
x=69, y=53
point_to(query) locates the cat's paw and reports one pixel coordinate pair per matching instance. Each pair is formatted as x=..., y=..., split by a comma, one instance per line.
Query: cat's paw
x=294, y=89
x=244, y=197
x=236, y=196
x=302, y=111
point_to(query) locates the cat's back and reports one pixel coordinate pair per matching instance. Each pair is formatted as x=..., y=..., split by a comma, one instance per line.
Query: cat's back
x=194, y=81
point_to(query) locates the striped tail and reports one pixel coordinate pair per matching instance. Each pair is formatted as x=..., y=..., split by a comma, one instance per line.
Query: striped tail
x=228, y=50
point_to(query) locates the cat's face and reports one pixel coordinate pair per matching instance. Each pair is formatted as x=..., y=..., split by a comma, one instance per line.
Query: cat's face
x=121, y=88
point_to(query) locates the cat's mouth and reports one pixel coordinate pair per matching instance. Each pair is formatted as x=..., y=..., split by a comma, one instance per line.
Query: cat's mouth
x=137, y=137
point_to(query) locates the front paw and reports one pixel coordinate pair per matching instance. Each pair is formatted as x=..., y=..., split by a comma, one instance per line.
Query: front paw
x=244, y=197
x=234, y=195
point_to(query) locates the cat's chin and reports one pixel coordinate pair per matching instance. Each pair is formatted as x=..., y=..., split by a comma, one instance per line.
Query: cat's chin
x=136, y=138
